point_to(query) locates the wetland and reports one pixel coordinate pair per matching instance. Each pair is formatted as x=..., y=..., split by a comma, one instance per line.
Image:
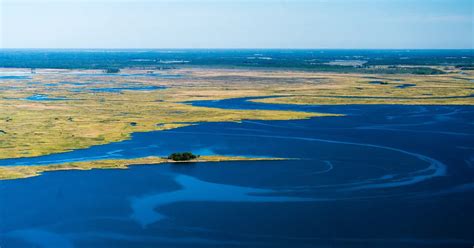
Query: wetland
x=288, y=156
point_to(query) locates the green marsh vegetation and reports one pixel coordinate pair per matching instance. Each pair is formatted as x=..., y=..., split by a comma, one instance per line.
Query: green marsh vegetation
x=16, y=172
x=85, y=118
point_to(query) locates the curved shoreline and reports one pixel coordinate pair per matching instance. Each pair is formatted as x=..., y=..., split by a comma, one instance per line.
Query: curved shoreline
x=99, y=155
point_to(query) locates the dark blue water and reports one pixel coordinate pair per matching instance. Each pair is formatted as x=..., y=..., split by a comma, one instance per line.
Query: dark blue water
x=403, y=86
x=383, y=175
x=281, y=58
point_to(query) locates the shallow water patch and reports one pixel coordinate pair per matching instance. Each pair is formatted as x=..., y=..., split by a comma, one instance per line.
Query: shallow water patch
x=43, y=97
x=14, y=77
x=403, y=86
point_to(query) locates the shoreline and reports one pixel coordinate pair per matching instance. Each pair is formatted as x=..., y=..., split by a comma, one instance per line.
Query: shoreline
x=25, y=171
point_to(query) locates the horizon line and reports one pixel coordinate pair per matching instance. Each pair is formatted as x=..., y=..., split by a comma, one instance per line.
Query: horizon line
x=220, y=48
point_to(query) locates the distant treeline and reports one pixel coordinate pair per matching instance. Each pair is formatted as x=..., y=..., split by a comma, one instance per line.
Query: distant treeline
x=366, y=61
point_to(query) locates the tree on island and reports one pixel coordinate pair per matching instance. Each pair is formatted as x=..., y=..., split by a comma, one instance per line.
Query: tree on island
x=182, y=156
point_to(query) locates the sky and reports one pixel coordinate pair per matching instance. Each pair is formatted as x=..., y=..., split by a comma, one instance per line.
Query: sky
x=323, y=24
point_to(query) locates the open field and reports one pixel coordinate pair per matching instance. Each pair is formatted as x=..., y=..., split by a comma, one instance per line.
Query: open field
x=453, y=88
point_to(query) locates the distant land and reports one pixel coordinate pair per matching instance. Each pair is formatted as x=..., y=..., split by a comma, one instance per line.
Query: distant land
x=330, y=60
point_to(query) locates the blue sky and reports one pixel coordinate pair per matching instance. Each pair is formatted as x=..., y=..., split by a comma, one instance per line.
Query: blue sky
x=236, y=24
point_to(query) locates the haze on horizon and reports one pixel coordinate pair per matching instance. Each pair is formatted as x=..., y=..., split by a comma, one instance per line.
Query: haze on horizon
x=397, y=24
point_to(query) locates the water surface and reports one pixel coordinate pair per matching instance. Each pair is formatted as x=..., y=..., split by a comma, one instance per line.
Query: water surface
x=383, y=175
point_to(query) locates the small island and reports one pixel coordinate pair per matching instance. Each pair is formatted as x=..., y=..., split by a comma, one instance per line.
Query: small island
x=182, y=156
